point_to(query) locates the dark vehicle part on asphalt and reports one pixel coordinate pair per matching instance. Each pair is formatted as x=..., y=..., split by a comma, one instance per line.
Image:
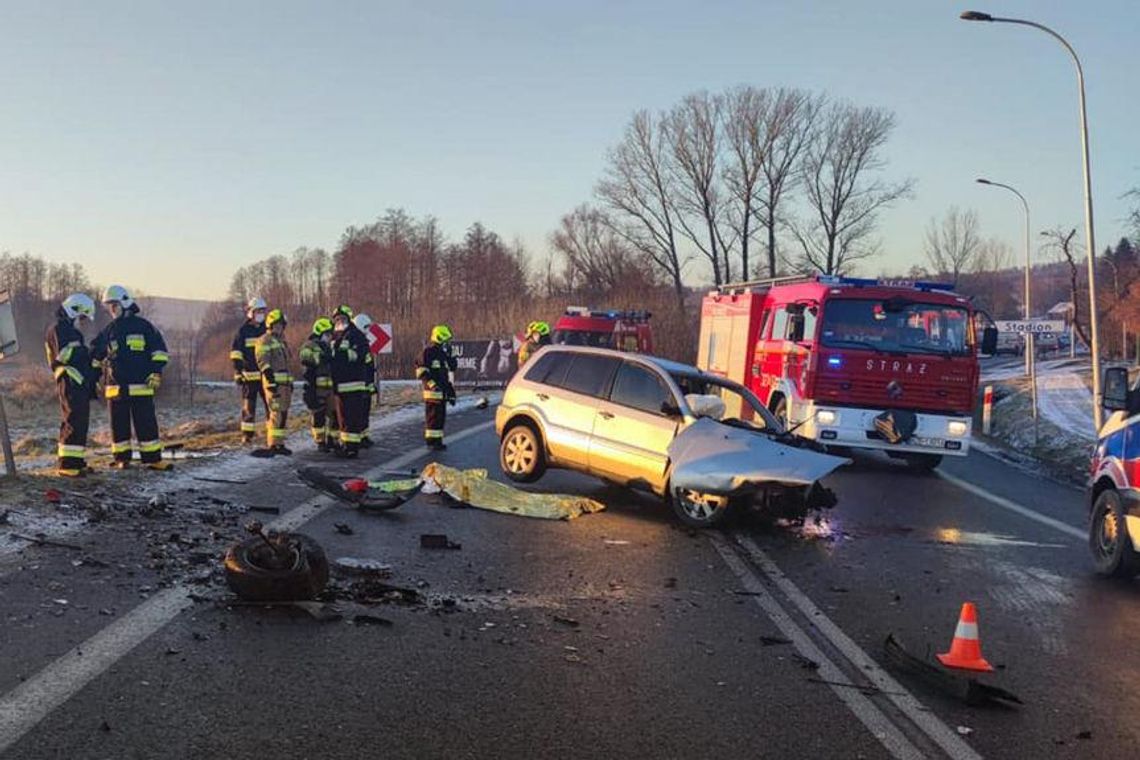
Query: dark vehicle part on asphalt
x=437, y=541
x=373, y=496
x=964, y=689
x=278, y=567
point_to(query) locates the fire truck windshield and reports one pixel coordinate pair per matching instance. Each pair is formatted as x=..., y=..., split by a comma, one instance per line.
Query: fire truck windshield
x=896, y=326
x=584, y=338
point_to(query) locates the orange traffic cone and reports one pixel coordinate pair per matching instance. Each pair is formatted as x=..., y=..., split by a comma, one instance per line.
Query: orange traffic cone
x=966, y=648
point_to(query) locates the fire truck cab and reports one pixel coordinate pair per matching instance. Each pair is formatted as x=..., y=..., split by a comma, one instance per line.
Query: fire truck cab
x=852, y=363
x=620, y=330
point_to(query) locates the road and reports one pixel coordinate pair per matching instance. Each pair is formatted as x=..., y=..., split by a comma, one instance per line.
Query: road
x=616, y=634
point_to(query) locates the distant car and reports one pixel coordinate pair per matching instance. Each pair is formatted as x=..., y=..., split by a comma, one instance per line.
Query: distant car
x=1009, y=343
x=1114, y=486
x=657, y=425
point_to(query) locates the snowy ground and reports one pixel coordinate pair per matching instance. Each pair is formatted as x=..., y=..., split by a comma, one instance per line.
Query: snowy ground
x=1064, y=397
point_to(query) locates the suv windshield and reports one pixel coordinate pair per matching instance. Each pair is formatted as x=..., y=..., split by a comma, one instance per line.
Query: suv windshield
x=896, y=325
x=735, y=397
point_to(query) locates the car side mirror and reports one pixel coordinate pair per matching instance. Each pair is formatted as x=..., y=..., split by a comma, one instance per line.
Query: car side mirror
x=989, y=341
x=1114, y=394
x=669, y=409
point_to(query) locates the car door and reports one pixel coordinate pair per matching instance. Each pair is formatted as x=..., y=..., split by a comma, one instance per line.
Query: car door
x=570, y=402
x=632, y=432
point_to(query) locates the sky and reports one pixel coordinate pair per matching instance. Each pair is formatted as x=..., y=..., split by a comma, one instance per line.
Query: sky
x=163, y=145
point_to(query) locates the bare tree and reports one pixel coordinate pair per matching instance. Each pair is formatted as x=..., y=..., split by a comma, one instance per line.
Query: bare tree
x=638, y=189
x=693, y=128
x=993, y=255
x=843, y=194
x=1062, y=242
x=952, y=245
x=598, y=261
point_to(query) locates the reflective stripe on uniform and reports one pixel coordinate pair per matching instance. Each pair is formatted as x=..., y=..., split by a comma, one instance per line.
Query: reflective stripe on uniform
x=118, y=447
x=139, y=390
x=318, y=434
x=347, y=437
x=435, y=364
x=147, y=447
x=64, y=355
x=324, y=382
x=71, y=372
x=160, y=357
x=277, y=434
x=433, y=434
x=420, y=372
x=136, y=342
x=357, y=385
x=282, y=377
x=250, y=342
x=248, y=427
x=250, y=377
x=72, y=450
x=433, y=395
x=236, y=356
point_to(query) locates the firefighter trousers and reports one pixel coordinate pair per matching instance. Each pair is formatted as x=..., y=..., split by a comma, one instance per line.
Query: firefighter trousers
x=435, y=416
x=139, y=412
x=251, y=393
x=75, y=410
x=322, y=408
x=352, y=417
x=275, y=430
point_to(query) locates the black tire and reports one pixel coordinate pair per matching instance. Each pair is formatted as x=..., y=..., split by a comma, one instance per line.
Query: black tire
x=522, y=455
x=922, y=462
x=1111, y=546
x=253, y=575
x=698, y=510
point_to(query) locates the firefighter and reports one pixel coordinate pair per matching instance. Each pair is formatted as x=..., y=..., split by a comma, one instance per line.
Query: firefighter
x=351, y=368
x=70, y=361
x=362, y=322
x=433, y=371
x=272, y=354
x=133, y=355
x=316, y=358
x=246, y=375
x=537, y=336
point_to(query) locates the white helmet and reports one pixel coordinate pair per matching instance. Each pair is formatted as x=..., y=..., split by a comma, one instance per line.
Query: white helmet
x=362, y=321
x=79, y=305
x=254, y=304
x=118, y=294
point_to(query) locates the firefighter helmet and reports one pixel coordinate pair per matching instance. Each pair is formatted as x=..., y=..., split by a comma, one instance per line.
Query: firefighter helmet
x=274, y=317
x=362, y=321
x=440, y=334
x=255, y=304
x=79, y=305
x=117, y=294
x=343, y=309
x=538, y=328
x=322, y=326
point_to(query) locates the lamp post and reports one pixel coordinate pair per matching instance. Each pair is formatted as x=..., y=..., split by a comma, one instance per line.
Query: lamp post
x=1089, y=239
x=1028, y=302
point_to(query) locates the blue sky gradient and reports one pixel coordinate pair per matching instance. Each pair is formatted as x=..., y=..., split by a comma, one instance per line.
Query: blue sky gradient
x=164, y=145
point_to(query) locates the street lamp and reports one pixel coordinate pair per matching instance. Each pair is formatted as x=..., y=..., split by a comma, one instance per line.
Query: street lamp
x=1089, y=239
x=1028, y=304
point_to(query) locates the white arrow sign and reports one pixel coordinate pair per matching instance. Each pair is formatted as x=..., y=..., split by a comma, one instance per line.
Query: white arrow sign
x=1034, y=326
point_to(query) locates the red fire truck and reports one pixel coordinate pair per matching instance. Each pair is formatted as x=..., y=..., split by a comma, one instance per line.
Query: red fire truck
x=854, y=363
x=621, y=330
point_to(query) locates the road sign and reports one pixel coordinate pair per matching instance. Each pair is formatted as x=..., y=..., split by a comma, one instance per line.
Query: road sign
x=1030, y=326
x=379, y=338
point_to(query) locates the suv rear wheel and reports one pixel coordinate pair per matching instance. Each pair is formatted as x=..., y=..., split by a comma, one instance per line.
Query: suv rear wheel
x=1111, y=546
x=521, y=454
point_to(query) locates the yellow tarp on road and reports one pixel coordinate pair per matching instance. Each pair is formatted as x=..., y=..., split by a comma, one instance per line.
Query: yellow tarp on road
x=474, y=488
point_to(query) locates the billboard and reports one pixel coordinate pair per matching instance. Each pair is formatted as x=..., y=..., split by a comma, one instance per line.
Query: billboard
x=484, y=363
x=8, y=343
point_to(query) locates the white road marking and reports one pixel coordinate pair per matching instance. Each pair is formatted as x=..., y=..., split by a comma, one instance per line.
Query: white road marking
x=1012, y=506
x=860, y=706
x=32, y=701
x=938, y=732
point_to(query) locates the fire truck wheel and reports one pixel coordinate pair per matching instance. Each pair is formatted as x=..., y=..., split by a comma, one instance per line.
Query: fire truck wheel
x=1111, y=546
x=922, y=462
x=522, y=456
x=255, y=573
x=699, y=510
x=780, y=411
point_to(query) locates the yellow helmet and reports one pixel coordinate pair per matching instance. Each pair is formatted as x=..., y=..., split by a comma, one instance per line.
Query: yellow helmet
x=322, y=326
x=274, y=317
x=440, y=334
x=538, y=328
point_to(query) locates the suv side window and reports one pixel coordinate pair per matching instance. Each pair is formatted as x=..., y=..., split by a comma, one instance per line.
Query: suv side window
x=550, y=369
x=640, y=388
x=590, y=374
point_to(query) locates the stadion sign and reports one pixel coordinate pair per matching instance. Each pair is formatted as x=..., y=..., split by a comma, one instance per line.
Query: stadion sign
x=1031, y=326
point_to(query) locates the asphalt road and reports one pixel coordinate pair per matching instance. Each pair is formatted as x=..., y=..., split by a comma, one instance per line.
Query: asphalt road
x=616, y=634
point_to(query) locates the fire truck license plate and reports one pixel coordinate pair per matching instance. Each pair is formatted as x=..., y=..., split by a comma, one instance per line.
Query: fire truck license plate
x=934, y=443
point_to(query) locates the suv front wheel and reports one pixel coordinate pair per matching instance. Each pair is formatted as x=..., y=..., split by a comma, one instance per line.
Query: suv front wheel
x=699, y=510
x=521, y=454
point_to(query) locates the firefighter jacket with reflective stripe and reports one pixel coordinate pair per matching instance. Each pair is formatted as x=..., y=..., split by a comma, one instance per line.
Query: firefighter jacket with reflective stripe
x=67, y=353
x=529, y=347
x=351, y=364
x=241, y=351
x=130, y=349
x=316, y=358
x=432, y=371
x=273, y=361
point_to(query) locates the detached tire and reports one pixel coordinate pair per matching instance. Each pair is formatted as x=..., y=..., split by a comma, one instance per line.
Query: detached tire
x=254, y=574
x=1109, y=541
x=522, y=456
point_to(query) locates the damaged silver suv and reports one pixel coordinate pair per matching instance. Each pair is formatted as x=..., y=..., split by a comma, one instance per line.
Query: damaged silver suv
x=703, y=442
